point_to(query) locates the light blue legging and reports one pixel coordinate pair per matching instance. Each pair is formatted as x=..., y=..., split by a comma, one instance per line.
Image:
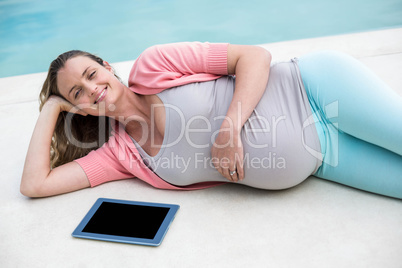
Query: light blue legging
x=359, y=123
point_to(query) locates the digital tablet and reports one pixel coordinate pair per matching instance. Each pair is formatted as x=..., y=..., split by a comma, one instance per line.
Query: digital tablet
x=125, y=221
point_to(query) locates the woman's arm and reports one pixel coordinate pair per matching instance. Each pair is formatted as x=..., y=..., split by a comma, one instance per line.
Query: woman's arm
x=38, y=180
x=170, y=65
x=251, y=66
x=166, y=66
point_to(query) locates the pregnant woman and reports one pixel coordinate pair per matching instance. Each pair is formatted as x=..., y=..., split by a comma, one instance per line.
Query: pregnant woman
x=196, y=115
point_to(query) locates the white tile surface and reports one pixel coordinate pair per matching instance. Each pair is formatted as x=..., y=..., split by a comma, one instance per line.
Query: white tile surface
x=316, y=224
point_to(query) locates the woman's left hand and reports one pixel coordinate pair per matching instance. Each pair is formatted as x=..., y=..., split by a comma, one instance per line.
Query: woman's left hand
x=227, y=155
x=251, y=66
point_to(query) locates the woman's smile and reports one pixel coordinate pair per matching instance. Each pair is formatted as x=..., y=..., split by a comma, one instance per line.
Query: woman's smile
x=101, y=95
x=86, y=83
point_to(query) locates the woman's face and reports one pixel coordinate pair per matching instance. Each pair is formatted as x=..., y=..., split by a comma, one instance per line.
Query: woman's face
x=88, y=85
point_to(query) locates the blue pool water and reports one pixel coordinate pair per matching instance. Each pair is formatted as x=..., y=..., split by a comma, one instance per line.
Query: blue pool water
x=32, y=33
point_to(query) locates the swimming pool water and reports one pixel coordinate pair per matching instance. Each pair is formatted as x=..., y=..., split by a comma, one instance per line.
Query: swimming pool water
x=33, y=33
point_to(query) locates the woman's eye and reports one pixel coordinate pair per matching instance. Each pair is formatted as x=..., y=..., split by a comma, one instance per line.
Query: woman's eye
x=92, y=74
x=77, y=93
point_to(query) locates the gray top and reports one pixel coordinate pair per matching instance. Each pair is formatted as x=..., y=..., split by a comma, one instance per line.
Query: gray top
x=274, y=139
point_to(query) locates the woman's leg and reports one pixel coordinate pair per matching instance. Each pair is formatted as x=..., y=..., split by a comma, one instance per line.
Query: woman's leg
x=364, y=166
x=363, y=127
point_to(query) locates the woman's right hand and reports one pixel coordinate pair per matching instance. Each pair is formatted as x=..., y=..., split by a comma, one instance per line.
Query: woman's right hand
x=64, y=105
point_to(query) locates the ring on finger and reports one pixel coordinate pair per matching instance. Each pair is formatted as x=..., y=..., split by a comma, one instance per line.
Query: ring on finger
x=232, y=172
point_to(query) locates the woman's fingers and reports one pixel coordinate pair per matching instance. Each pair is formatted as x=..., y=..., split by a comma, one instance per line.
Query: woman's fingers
x=77, y=110
x=65, y=105
x=240, y=164
x=233, y=175
x=230, y=167
x=236, y=172
x=222, y=165
x=227, y=153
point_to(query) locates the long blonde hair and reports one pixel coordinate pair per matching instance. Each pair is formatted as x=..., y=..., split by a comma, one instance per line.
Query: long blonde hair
x=75, y=135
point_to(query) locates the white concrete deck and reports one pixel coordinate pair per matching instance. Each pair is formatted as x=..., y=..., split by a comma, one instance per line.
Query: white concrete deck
x=316, y=224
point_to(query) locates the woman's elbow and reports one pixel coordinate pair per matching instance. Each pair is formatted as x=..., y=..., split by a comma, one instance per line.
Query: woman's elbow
x=27, y=191
x=24, y=190
x=261, y=56
x=30, y=190
x=266, y=56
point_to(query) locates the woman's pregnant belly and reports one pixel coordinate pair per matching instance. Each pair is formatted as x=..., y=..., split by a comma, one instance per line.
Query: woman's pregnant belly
x=274, y=137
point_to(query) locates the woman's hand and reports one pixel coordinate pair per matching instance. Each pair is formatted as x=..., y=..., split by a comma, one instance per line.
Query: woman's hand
x=63, y=105
x=227, y=155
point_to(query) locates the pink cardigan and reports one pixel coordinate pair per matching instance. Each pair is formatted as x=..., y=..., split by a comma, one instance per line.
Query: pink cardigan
x=156, y=69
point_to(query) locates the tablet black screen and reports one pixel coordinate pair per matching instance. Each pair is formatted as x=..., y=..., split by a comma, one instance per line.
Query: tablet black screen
x=126, y=220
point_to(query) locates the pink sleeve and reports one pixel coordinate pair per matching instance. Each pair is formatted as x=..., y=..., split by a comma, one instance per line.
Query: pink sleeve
x=102, y=165
x=165, y=66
